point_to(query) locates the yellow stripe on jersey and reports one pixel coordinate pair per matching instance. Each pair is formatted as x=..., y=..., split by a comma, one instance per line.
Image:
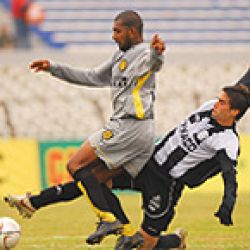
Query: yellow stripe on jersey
x=105, y=216
x=136, y=95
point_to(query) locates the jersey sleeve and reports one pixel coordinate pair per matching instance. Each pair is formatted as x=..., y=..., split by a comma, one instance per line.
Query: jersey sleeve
x=155, y=60
x=229, y=172
x=97, y=77
x=226, y=141
x=145, y=64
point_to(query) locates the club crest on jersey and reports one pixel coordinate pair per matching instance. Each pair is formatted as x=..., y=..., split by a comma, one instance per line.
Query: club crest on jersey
x=107, y=134
x=123, y=65
x=154, y=203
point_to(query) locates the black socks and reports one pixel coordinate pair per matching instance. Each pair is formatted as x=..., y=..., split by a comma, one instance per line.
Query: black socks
x=168, y=241
x=59, y=193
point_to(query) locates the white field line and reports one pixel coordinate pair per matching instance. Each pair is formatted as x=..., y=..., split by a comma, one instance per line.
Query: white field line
x=62, y=237
x=56, y=237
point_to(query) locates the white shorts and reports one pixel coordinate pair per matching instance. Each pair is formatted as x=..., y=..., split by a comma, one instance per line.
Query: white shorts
x=126, y=143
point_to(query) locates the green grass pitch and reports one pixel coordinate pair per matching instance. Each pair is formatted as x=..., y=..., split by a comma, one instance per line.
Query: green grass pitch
x=65, y=226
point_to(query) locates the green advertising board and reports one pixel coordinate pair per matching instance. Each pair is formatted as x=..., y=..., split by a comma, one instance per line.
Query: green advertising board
x=54, y=156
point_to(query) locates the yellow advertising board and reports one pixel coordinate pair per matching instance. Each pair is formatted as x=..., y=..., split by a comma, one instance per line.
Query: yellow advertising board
x=26, y=165
x=19, y=166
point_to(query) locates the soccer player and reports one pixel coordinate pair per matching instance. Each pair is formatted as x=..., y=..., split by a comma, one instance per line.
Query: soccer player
x=121, y=143
x=202, y=146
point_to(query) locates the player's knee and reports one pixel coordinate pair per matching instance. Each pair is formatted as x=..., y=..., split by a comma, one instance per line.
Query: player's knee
x=157, y=207
x=71, y=167
x=154, y=225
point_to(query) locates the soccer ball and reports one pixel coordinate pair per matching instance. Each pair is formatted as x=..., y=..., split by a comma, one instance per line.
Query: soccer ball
x=9, y=233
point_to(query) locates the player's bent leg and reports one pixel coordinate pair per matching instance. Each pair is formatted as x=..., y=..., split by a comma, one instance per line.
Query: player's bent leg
x=105, y=228
x=21, y=203
x=149, y=241
x=59, y=193
x=82, y=158
x=144, y=241
x=156, y=221
x=175, y=241
x=92, y=189
x=83, y=166
x=80, y=167
x=27, y=204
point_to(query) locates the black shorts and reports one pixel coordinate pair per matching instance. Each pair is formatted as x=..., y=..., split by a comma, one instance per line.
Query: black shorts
x=123, y=181
x=160, y=194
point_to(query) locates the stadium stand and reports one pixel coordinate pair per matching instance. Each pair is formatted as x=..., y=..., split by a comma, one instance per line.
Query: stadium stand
x=40, y=106
x=83, y=23
x=207, y=47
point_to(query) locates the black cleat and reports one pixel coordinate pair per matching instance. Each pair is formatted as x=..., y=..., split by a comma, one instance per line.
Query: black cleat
x=103, y=229
x=129, y=242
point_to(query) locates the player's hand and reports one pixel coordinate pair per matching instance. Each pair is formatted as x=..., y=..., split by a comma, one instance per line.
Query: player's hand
x=40, y=65
x=225, y=216
x=158, y=44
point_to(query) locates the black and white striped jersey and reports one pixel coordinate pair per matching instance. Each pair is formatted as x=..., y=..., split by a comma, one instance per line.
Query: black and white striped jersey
x=190, y=150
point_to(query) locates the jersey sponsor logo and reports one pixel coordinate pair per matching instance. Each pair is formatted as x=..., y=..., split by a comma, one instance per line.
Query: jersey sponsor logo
x=107, y=134
x=191, y=141
x=123, y=65
x=202, y=135
x=187, y=141
x=120, y=83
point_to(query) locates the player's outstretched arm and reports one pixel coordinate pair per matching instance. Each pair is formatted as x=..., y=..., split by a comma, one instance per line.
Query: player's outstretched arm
x=230, y=190
x=157, y=47
x=98, y=77
x=40, y=65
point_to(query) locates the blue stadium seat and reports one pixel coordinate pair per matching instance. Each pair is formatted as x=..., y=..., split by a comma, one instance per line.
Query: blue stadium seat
x=187, y=22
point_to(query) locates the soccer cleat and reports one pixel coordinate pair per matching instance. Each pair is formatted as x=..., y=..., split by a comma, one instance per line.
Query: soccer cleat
x=21, y=203
x=129, y=242
x=182, y=234
x=104, y=229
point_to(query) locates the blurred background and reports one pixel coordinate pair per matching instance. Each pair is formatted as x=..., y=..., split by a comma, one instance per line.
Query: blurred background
x=43, y=120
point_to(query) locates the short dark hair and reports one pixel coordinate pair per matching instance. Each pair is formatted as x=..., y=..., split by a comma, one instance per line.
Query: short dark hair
x=130, y=19
x=238, y=98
